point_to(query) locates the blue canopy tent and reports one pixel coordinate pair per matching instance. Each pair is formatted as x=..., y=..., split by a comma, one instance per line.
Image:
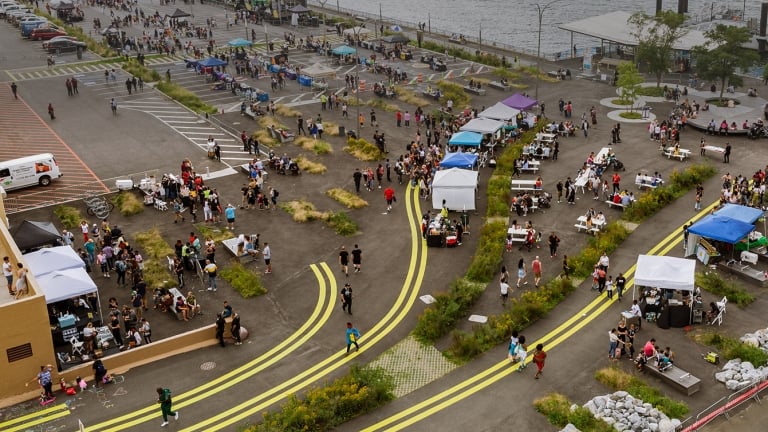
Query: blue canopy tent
x=721, y=228
x=239, y=42
x=740, y=212
x=211, y=62
x=466, y=138
x=459, y=160
x=343, y=50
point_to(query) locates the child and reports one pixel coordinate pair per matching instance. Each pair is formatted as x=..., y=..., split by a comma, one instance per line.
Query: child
x=609, y=287
x=538, y=357
x=509, y=242
x=521, y=353
x=513, y=341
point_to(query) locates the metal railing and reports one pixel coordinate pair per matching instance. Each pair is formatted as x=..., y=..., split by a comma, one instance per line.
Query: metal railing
x=725, y=405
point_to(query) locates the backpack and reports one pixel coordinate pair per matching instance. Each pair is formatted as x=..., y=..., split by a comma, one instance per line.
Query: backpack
x=275, y=193
x=120, y=265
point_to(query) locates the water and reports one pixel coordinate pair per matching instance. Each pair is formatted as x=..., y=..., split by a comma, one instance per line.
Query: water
x=516, y=23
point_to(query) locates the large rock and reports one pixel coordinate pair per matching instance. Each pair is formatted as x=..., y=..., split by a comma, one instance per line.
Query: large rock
x=641, y=410
x=734, y=364
x=666, y=426
x=751, y=341
x=724, y=376
x=676, y=423
x=747, y=366
x=732, y=385
x=590, y=405
x=620, y=395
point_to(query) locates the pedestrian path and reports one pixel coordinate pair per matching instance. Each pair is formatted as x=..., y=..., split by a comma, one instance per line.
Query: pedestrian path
x=77, y=69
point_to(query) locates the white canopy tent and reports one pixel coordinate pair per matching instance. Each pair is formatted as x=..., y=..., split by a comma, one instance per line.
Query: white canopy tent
x=665, y=272
x=457, y=187
x=61, y=285
x=483, y=126
x=47, y=260
x=319, y=70
x=499, y=112
x=360, y=32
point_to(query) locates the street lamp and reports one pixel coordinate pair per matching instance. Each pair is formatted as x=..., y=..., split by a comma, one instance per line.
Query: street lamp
x=356, y=31
x=541, y=10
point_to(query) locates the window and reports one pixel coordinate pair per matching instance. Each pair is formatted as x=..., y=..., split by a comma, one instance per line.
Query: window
x=5, y=172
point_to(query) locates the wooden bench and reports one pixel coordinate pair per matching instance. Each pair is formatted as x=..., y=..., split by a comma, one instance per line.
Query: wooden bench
x=679, y=379
x=682, y=155
x=499, y=86
x=473, y=90
x=524, y=185
x=616, y=205
x=593, y=230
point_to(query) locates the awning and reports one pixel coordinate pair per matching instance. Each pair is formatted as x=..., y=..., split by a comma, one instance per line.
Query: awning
x=740, y=213
x=499, y=112
x=178, y=13
x=721, y=228
x=466, y=139
x=665, y=272
x=520, y=101
x=211, y=62
x=239, y=42
x=343, y=50
x=48, y=260
x=483, y=126
x=459, y=160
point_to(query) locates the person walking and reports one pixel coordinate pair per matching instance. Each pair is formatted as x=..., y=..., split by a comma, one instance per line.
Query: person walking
x=554, y=242
x=609, y=287
x=146, y=331
x=220, y=323
x=344, y=260
x=300, y=126
x=8, y=273
x=267, y=253
x=51, y=111
x=389, y=196
x=727, y=153
x=15, y=90
x=521, y=353
x=211, y=269
x=685, y=234
x=536, y=267
x=539, y=356
x=352, y=335
x=357, y=176
x=236, y=328
x=504, y=287
x=113, y=105
x=566, y=267
x=621, y=282
x=521, y=273
x=166, y=404
x=357, y=258
x=229, y=213
x=346, y=298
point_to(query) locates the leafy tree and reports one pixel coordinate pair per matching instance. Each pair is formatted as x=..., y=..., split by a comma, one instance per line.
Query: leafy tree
x=656, y=36
x=629, y=83
x=723, y=54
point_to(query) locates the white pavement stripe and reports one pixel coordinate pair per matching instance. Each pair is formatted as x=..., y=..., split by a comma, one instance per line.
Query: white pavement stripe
x=248, y=159
x=221, y=173
x=300, y=103
x=200, y=133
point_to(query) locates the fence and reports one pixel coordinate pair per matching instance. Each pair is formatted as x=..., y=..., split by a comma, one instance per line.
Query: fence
x=725, y=405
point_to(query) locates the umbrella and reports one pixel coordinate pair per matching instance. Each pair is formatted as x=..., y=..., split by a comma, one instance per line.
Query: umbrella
x=178, y=13
x=396, y=28
x=239, y=42
x=211, y=62
x=299, y=9
x=344, y=50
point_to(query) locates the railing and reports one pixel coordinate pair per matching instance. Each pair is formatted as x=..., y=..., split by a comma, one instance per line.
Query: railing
x=725, y=405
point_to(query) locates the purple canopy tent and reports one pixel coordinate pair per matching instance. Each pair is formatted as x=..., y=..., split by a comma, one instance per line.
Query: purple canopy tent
x=520, y=102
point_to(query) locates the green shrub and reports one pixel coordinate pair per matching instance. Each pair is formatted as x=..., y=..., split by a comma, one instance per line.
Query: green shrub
x=557, y=408
x=454, y=92
x=438, y=319
x=341, y=223
x=498, y=195
x=128, y=204
x=245, y=281
x=185, y=97
x=732, y=348
x=214, y=233
x=489, y=254
x=139, y=71
x=155, y=251
x=680, y=182
x=711, y=281
x=347, y=198
x=361, y=391
x=651, y=91
x=490, y=59
x=619, y=380
x=630, y=115
x=363, y=150
x=69, y=217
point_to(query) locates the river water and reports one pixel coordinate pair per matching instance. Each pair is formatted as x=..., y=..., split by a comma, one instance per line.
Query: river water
x=515, y=23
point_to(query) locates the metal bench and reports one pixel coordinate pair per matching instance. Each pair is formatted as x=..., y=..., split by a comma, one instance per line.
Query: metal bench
x=615, y=205
x=679, y=379
x=473, y=90
x=499, y=86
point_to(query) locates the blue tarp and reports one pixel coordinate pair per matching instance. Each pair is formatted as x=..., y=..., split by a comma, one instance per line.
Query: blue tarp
x=344, y=50
x=211, y=62
x=459, y=160
x=740, y=212
x=721, y=228
x=466, y=138
x=239, y=42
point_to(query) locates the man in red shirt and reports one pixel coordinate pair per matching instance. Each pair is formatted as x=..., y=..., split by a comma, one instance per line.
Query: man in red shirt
x=389, y=195
x=616, y=181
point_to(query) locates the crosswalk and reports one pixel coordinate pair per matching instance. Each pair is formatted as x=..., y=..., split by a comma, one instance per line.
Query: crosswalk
x=81, y=68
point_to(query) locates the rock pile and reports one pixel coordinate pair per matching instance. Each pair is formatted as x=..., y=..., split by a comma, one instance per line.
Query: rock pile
x=756, y=339
x=737, y=374
x=625, y=413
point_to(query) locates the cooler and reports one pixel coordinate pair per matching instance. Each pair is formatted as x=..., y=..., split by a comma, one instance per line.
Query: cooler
x=451, y=241
x=124, y=184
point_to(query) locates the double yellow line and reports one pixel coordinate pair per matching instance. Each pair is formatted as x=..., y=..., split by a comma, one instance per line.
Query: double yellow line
x=320, y=314
x=27, y=421
x=502, y=369
x=408, y=295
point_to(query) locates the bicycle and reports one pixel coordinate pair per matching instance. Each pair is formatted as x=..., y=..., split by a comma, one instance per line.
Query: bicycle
x=95, y=210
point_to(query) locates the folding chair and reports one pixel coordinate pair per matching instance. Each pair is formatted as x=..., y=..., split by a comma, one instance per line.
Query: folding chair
x=77, y=346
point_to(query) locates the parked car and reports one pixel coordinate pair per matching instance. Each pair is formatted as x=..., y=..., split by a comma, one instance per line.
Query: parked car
x=6, y=10
x=45, y=33
x=61, y=45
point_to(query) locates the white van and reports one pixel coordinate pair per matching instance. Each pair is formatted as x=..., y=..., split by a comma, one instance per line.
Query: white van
x=34, y=170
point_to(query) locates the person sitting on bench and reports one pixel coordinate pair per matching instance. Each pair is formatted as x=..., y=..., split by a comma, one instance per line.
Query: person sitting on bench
x=713, y=312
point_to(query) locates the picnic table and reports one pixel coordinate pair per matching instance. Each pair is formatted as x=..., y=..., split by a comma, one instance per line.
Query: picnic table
x=523, y=185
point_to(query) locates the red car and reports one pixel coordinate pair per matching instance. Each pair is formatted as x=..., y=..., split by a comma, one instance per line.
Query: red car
x=46, y=33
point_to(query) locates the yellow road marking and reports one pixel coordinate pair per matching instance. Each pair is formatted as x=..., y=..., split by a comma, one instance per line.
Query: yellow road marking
x=25, y=426
x=33, y=415
x=487, y=377
x=335, y=361
x=293, y=342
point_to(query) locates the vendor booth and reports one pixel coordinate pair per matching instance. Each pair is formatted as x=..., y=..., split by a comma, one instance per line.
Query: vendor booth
x=317, y=76
x=499, y=112
x=714, y=234
x=48, y=260
x=466, y=138
x=459, y=160
x=659, y=278
x=520, y=102
x=457, y=187
x=30, y=235
x=484, y=126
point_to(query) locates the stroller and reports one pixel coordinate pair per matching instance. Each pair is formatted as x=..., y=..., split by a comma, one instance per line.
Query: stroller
x=544, y=200
x=618, y=165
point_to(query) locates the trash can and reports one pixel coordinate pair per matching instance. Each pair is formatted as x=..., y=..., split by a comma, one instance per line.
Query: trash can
x=465, y=219
x=342, y=131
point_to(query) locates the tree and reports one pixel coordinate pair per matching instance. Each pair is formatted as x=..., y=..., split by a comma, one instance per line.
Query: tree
x=628, y=83
x=656, y=36
x=723, y=54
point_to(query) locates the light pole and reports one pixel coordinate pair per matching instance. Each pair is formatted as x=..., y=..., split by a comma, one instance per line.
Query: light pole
x=357, y=76
x=541, y=10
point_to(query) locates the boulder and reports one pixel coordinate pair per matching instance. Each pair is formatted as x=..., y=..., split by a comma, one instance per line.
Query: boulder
x=724, y=375
x=666, y=426
x=641, y=410
x=747, y=366
x=732, y=385
x=751, y=341
x=676, y=423
x=734, y=364
x=570, y=428
x=620, y=394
